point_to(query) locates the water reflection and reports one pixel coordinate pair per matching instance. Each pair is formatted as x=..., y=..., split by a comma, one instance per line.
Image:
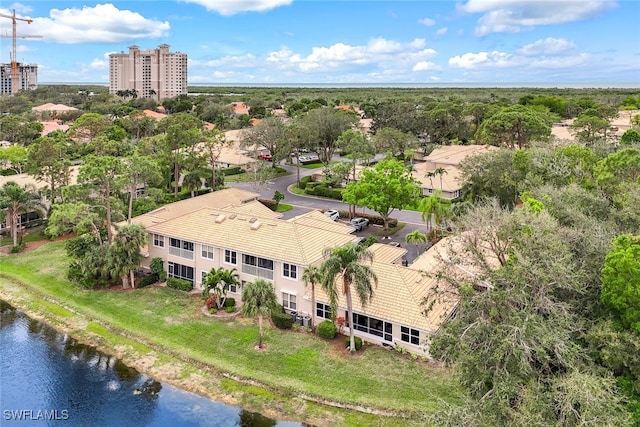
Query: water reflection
x=48, y=378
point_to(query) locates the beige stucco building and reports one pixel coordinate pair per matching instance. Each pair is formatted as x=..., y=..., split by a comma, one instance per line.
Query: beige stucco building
x=232, y=230
x=152, y=73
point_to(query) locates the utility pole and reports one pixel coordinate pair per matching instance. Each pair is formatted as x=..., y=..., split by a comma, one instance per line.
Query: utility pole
x=14, y=58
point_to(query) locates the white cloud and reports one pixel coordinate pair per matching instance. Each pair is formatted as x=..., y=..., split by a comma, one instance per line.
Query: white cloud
x=493, y=59
x=232, y=7
x=548, y=46
x=512, y=16
x=427, y=21
x=442, y=31
x=101, y=63
x=103, y=23
x=425, y=66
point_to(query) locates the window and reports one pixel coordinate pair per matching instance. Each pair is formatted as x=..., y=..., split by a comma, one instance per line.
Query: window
x=410, y=335
x=323, y=310
x=180, y=271
x=290, y=271
x=256, y=266
x=207, y=251
x=158, y=241
x=288, y=301
x=373, y=326
x=230, y=257
x=181, y=248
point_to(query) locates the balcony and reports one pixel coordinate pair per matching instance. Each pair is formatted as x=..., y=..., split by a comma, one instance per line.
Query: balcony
x=182, y=253
x=257, y=271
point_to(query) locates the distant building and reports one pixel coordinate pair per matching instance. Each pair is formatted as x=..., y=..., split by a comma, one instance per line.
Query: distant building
x=27, y=77
x=153, y=73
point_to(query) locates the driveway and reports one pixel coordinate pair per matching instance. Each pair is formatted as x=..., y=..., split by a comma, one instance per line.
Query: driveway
x=303, y=204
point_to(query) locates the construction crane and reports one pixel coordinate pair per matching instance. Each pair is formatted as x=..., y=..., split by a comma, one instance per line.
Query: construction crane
x=14, y=37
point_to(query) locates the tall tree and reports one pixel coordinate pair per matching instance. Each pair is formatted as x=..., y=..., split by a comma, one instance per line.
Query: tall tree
x=385, y=187
x=394, y=141
x=258, y=299
x=325, y=126
x=89, y=126
x=16, y=200
x=342, y=268
x=270, y=134
x=514, y=126
x=312, y=276
x=212, y=144
x=434, y=209
x=105, y=175
x=47, y=162
x=139, y=171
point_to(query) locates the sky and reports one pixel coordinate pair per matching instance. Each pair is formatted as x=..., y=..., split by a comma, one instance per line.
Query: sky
x=341, y=42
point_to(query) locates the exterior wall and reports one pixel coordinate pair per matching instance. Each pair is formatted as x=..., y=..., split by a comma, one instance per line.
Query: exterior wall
x=27, y=77
x=294, y=287
x=153, y=73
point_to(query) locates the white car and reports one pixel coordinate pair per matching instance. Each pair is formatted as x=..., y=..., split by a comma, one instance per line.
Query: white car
x=333, y=214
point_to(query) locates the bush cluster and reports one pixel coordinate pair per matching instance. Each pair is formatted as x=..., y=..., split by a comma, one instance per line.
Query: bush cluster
x=235, y=170
x=280, y=318
x=179, y=284
x=327, y=330
x=148, y=280
x=230, y=309
x=304, y=181
x=230, y=302
x=210, y=302
x=322, y=190
x=356, y=340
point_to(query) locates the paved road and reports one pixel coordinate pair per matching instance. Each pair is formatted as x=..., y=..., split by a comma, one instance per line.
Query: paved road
x=302, y=204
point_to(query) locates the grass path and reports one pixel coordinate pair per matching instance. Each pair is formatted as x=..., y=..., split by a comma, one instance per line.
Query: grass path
x=163, y=333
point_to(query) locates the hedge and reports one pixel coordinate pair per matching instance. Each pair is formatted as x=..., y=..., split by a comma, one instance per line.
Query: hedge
x=234, y=170
x=179, y=284
x=282, y=320
x=304, y=181
x=320, y=189
x=148, y=280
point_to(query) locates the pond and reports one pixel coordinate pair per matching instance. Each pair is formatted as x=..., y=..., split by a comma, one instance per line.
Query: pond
x=48, y=378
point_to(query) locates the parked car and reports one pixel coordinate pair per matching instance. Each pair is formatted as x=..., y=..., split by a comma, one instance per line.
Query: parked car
x=267, y=157
x=333, y=214
x=396, y=244
x=359, y=223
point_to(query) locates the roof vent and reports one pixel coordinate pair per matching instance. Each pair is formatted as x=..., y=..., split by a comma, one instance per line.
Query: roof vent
x=220, y=218
x=233, y=216
x=255, y=225
x=252, y=220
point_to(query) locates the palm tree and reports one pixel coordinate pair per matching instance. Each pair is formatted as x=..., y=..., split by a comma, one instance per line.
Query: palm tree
x=434, y=208
x=124, y=254
x=440, y=171
x=15, y=201
x=415, y=237
x=345, y=263
x=430, y=175
x=312, y=276
x=258, y=298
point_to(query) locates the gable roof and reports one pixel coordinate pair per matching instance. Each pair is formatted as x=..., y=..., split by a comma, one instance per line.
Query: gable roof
x=454, y=154
x=154, y=114
x=53, y=107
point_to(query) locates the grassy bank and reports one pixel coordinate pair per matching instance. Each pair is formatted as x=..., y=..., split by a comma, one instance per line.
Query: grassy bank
x=163, y=333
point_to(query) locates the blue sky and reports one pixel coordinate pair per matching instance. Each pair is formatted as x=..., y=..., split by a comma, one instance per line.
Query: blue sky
x=340, y=42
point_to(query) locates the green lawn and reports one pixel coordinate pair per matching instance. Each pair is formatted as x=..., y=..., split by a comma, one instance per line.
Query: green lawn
x=314, y=165
x=294, y=362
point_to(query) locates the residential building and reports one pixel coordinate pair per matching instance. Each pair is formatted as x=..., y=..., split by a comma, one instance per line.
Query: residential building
x=440, y=169
x=152, y=73
x=27, y=77
x=232, y=230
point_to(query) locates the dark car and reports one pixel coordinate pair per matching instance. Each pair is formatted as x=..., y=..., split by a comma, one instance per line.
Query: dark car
x=359, y=223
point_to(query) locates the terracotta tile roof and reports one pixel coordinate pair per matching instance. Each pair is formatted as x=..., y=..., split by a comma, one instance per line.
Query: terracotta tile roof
x=399, y=297
x=276, y=239
x=240, y=108
x=387, y=254
x=154, y=114
x=53, y=107
x=52, y=126
x=219, y=199
x=454, y=154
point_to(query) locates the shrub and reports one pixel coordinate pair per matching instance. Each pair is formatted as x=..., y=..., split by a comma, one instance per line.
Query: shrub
x=356, y=340
x=157, y=266
x=304, y=181
x=271, y=204
x=230, y=302
x=213, y=310
x=320, y=189
x=282, y=320
x=148, y=280
x=18, y=248
x=327, y=330
x=235, y=170
x=179, y=284
x=230, y=309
